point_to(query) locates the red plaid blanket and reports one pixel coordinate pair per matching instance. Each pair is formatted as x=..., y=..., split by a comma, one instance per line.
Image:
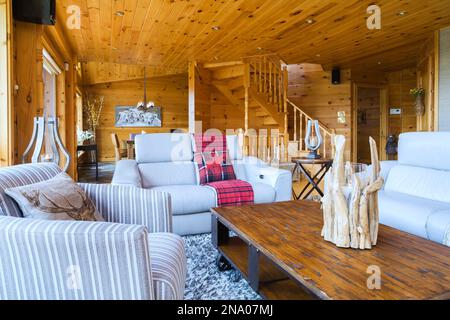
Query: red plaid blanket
x=233, y=193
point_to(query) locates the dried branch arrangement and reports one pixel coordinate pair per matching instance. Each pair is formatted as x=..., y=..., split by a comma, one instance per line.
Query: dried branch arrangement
x=92, y=109
x=351, y=218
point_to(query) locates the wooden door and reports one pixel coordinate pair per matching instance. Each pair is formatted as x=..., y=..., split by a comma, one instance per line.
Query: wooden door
x=368, y=121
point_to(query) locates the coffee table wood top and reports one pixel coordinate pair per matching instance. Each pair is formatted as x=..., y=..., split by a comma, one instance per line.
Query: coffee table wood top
x=289, y=234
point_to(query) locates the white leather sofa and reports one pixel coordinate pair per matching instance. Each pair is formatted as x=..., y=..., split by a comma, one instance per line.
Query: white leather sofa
x=416, y=194
x=164, y=162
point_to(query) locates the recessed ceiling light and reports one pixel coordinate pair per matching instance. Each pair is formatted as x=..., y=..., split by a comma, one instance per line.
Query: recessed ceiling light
x=379, y=62
x=114, y=48
x=318, y=55
x=216, y=58
x=310, y=21
x=119, y=13
x=402, y=13
x=216, y=28
x=259, y=48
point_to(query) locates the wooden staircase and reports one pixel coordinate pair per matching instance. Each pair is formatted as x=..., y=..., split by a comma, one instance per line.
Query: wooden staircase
x=258, y=86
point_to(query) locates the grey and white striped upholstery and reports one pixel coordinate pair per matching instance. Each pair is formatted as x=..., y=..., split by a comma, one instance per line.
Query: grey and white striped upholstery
x=111, y=260
x=19, y=176
x=41, y=259
x=169, y=265
x=130, y=205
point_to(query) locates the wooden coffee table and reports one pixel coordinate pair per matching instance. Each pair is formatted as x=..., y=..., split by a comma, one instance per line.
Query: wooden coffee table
x=279, y=250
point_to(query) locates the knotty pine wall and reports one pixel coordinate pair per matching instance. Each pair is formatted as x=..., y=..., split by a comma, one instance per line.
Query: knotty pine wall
x=169, y=92
x=399, y=84
x=310, y=88
x=29, y=40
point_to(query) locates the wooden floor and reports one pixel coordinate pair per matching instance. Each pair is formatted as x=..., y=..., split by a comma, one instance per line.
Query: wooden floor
x=106, y=172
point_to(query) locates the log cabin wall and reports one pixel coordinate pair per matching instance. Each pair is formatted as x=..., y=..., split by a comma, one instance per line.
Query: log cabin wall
x=310, y=88
x=6, y=136
x=29, y=42
x=168, y=92
x=399, y=84
x=426, y=78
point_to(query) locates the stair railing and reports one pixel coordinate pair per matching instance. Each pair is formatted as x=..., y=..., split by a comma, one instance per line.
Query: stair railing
x=269, y=76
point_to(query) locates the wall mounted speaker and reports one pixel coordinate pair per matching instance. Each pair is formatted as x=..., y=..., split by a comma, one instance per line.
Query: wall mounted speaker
x=35, y=11
x=336, y=76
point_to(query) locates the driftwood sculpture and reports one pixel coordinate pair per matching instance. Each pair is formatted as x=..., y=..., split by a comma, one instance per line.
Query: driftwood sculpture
x=350, y=202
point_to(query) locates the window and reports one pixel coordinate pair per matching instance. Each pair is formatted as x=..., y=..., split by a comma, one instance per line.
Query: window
x=50, y=71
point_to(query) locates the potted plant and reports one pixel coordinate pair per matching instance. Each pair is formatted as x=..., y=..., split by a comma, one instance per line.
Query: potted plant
x=419, y=94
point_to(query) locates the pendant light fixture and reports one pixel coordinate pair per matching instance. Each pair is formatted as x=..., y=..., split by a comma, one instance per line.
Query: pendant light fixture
x=144, y=103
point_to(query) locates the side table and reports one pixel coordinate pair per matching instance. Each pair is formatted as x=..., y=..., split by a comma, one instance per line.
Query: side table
x=313, y=182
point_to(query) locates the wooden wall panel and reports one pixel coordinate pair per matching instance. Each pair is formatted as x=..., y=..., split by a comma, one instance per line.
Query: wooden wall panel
x=310, y=88
x=368, y=108
x=399, y=84
x=171, y=93
x=28, y=99
x=6, y=118
x=29, y=41
x=426, y=79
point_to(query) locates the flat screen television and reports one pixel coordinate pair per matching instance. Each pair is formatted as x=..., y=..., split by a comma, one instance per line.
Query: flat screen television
x=35, y=11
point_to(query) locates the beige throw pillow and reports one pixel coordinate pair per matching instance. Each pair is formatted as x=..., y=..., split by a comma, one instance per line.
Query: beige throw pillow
x=59, y=198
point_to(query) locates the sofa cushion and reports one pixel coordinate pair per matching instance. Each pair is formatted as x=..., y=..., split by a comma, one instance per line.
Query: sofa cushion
x=425, y=149
x=419, y=182
x=263, y=193
x=167, y=173
x=239, y=169
x=407, y=213
x=163, y=147
x=437, y=225
x=190, y=199
x=212, y=158
x=21, y=175
x=59, y=198
x=234, y=145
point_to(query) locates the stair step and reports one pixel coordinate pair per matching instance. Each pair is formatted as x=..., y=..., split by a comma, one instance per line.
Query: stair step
x=269, y=121
x=262, y=113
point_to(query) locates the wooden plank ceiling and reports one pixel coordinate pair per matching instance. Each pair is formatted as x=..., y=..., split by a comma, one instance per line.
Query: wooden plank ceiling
x=169, y=33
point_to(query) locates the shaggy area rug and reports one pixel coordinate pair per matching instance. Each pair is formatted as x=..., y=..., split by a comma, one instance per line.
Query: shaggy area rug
x=205, y=281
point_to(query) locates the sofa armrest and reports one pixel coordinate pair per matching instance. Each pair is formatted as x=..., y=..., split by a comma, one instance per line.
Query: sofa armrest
x=258, y=171
x=386, y=167
x=280, y=180
x=73, y=260
x=130, y=205
x=127, y=173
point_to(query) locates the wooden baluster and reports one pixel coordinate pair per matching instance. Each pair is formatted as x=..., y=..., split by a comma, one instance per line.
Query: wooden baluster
x=260, y=75
x=301, y=131
x=295, y=124
x=280, y=92
x=285, y=101
x=324, y=144
x=270, y=81
x=265, y=74
x=275, y=85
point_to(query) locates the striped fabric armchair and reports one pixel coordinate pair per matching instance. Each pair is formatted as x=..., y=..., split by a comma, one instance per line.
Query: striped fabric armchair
x=133, y=255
